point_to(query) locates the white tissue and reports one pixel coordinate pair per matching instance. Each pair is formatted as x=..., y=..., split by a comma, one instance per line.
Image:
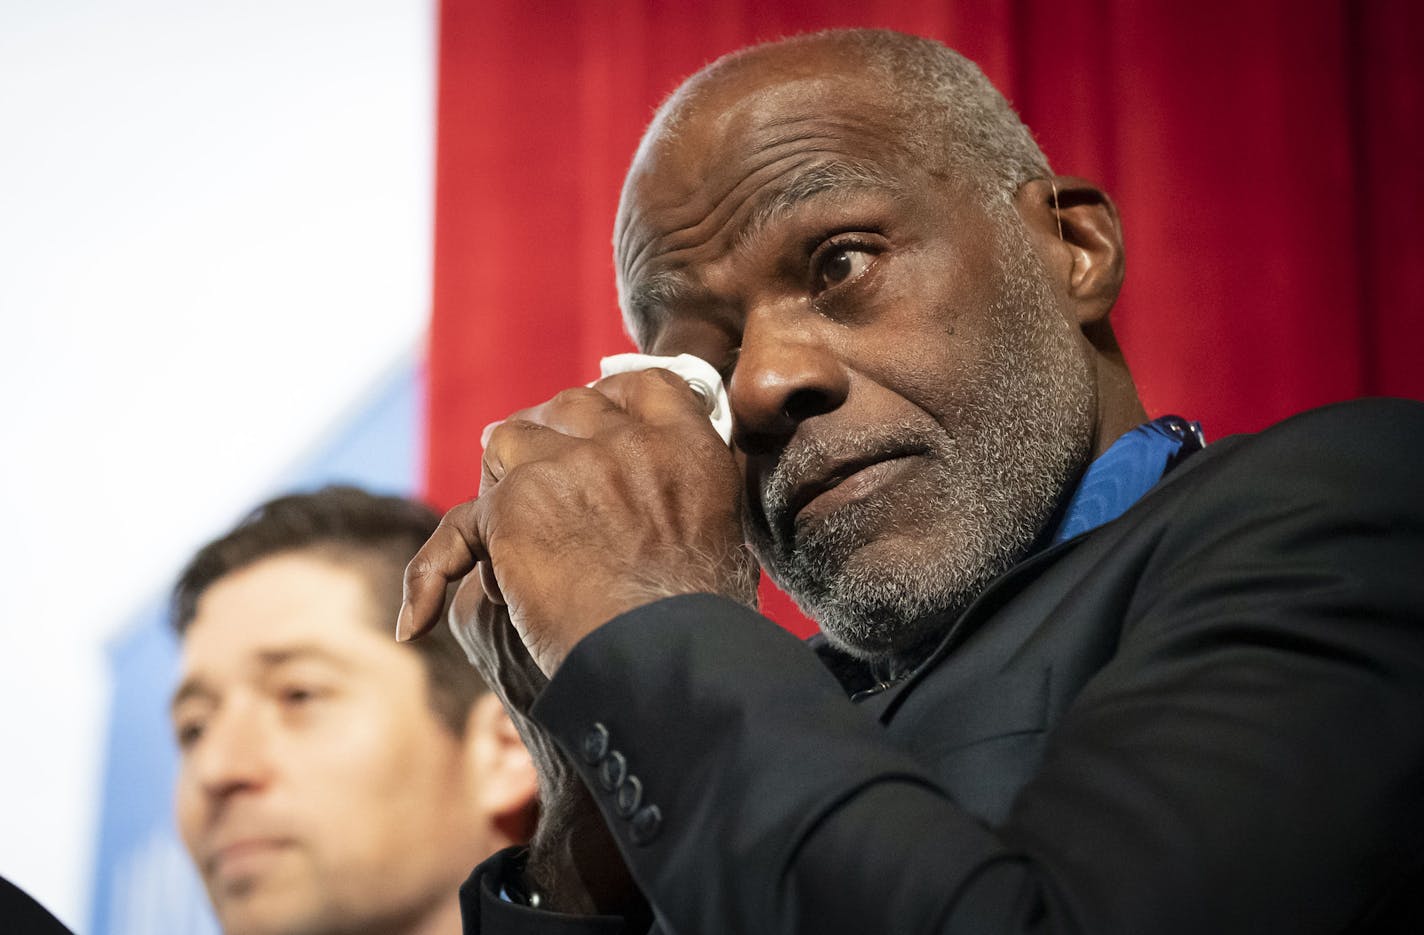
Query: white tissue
x=699, y=374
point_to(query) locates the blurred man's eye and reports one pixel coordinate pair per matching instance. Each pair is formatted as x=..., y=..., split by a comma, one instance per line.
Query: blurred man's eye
x=298, y=694
x=187, y=733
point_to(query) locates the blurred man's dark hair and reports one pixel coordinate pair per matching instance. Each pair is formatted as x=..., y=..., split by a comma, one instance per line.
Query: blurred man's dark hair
x=375, y=533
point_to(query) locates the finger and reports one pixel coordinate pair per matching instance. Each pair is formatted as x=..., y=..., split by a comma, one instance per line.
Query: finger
x=448, y=555
x=577, y=411
x=514, y=442
x=470, y=614
x=469, y=598
x=580, y=411
x=490, y=583
x=493, y=645
x=461, y=619
x=655, y=396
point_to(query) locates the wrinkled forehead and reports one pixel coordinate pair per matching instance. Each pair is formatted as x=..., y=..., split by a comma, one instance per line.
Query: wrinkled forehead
x=715, y=132
x=754, y=133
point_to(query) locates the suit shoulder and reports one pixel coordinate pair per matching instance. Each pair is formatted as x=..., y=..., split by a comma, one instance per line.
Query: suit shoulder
x=1366, y=438
x=1357, y=458
x=1381, y=422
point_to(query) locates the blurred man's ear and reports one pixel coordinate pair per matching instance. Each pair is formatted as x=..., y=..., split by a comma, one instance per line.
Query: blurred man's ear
x=504, y=779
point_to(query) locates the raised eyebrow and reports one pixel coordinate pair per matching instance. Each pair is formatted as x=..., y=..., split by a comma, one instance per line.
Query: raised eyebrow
x=663, y=288
x=668, y=287
x=837, y=177
x=650, y=299
x=272, y=658
x=195, y=687
x=190, y=688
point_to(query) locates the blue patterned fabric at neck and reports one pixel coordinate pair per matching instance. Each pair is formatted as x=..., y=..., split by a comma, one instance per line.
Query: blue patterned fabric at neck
x=1126, y=471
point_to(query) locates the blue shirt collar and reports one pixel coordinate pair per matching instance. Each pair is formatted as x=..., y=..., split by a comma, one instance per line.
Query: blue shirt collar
x=1127, y=470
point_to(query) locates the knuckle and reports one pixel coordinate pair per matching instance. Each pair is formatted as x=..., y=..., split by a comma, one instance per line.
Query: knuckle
x=420, y=568
x=668, y=377
x=571, y=396
x=660, y=377
x=523, y=488
x=594, y=459
x=449, y=525
x=508, y=429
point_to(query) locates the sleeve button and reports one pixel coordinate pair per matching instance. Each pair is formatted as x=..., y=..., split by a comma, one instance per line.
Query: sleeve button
x=595, y=743
x=646, y=824
x=630, y=796
x=612, y=771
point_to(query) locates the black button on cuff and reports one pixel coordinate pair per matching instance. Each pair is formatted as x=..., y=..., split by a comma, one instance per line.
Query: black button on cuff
x=646, y=824
x=612, y=771
x=630, y=796
x=595, y=743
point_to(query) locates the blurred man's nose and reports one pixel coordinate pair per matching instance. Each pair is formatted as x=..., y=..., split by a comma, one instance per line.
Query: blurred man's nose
x=234, y=754
x=786, y=373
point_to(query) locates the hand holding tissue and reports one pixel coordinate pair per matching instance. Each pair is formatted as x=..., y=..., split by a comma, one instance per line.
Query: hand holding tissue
x=704, y=379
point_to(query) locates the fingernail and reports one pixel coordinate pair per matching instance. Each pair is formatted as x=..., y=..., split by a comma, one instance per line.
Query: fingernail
x=488, y=431
x=705, y=394
x=405, y=623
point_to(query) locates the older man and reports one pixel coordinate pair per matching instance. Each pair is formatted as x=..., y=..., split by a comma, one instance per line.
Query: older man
x=1100, y=680
x=331, y=781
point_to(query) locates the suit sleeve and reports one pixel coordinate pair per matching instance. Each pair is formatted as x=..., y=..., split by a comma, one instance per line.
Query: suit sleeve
x=1250, y=760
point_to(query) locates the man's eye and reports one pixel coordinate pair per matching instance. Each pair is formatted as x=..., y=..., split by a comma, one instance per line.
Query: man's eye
x=298, y=695
x=839, y=264
x=188, y=733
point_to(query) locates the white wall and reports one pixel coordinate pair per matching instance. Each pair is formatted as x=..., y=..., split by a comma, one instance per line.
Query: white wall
x=214, y=235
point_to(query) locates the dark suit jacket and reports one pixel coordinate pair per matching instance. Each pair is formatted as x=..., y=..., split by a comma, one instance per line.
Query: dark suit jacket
x=19, y=913
x=1206, y=716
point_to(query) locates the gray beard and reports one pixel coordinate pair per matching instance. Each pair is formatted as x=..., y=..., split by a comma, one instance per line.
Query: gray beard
x=996, y=476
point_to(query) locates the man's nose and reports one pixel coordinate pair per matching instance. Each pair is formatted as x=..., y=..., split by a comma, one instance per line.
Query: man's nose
x=786, y=372
x=234, y=754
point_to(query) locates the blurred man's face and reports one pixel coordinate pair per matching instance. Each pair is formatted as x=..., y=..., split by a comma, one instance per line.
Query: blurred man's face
x=317, y=790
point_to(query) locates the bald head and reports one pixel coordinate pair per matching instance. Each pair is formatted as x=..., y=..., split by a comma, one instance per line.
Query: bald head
x=946, y=108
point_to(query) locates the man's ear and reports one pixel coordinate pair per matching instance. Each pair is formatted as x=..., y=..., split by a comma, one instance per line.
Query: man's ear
x=1075, y=225
x=503, y=778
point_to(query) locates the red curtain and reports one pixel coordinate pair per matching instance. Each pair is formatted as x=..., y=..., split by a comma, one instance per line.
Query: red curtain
x=1262, y=155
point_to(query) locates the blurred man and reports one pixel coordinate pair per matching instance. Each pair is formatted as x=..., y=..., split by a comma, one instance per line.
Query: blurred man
x=1084, y=675
x=332, y=781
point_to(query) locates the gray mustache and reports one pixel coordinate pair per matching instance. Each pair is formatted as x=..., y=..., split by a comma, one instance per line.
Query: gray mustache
x=814, y=456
